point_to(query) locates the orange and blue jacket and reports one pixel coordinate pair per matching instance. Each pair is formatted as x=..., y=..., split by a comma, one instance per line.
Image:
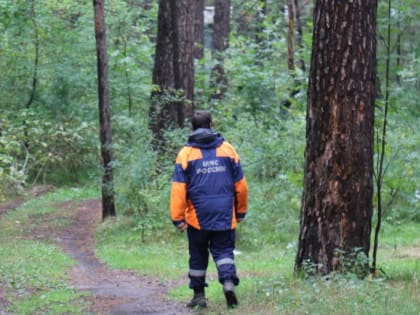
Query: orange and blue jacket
x=208, y=190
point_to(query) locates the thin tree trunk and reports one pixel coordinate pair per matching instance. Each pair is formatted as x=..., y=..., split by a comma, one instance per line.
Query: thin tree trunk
x=398, y=77
x=380, y=163
x=294, y=89
x=290, y=38
x=127, y=80
x=34, y=74
x=220, y=42
x=199, y=29
x=108, y=203
x=299, y=36
x=36, y=57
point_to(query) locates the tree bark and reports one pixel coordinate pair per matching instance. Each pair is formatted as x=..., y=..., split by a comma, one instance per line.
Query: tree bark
x=36, y=56
x=220, y=42
x=108, y=202
x=163, y=111
x=299, y=36
x=199, y=29
x=290, y=38
x=173, y=73
x=336, y=209
x=183, y=23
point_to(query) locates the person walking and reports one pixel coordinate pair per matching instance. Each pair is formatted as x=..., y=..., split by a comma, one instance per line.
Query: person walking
x=209, y=196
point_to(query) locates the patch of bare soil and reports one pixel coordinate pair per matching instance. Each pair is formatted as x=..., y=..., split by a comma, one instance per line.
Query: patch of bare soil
x=34, y=192
x=408, y=252
x=112, y=291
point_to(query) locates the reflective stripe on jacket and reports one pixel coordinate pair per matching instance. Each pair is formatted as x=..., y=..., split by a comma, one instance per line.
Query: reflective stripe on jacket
x=209, y=190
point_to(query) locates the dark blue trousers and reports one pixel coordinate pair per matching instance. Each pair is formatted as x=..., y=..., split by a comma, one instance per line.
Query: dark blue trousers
x=221, y=245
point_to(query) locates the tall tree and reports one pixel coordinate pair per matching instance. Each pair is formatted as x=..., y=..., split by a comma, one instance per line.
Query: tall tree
x=173, y=72
x=220, y=42
x=199, y=29
x=336, y=211
x=36, y=55
x=163, y=112
x=108, y=200
x=290, y=38
x=183, y=17
x=299, y=36
x=35, y=70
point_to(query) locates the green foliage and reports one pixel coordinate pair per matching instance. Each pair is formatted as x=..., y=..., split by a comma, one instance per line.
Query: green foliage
x=401, y=182
x=142, y=178
x=268, y=285
x=33, y=146
x=61, y=120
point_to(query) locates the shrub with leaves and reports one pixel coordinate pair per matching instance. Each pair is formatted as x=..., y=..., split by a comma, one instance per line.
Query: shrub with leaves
x=34, y=148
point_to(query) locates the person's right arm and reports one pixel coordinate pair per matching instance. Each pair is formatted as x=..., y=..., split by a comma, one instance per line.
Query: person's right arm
x=178, y=200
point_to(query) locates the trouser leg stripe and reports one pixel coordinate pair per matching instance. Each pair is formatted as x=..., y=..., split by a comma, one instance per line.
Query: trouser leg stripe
x=225, y=261
x=197, y=273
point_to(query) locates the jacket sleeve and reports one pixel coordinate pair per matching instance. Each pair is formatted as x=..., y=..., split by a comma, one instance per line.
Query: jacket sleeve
x=178, y=198
x=241, y=189
x=241, y=198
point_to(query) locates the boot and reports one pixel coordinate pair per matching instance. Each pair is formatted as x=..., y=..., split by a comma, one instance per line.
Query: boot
x=198, y=300
x=229, y=290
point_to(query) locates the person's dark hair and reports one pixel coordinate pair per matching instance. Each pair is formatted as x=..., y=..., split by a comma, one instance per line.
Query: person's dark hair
x=201, y=119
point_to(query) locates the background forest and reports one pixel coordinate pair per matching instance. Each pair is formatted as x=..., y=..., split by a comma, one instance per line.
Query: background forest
x=49, y=109
x=49, y=124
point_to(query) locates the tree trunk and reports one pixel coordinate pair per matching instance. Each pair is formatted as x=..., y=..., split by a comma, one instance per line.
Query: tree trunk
x=220, y=42
x=163, y=111
x=199, y=29
x=183, y=24
x=336, y=210
x=108, y=204
x=173, y=73
x=299, y=36
x=290, y=38
x=36, y=56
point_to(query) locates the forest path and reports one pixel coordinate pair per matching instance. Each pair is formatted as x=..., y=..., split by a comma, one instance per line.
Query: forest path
x=111, y=291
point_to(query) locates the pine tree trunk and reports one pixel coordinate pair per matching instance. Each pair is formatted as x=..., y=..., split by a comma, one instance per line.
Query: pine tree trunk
x=173, y=67
x=199, y=30
x=220, y=42
x=336, y=211
x=163, y=110
x=108, y=203
x=183, y=16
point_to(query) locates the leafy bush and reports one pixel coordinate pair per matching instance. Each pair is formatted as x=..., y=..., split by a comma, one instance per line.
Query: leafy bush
x=33, y=147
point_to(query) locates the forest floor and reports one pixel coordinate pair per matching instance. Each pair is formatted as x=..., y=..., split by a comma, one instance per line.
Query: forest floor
x=111, y=291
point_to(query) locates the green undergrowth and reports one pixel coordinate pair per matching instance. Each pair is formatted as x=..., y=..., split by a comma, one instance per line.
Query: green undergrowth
x=33, y=272
x=268, y=284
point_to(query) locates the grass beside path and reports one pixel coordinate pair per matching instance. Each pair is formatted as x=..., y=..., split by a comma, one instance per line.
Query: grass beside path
x=268, y=285
x=33, y=271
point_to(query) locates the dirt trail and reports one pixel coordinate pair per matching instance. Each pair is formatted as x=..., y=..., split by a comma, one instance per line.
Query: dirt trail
x=34, y=192
x=111, y=291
